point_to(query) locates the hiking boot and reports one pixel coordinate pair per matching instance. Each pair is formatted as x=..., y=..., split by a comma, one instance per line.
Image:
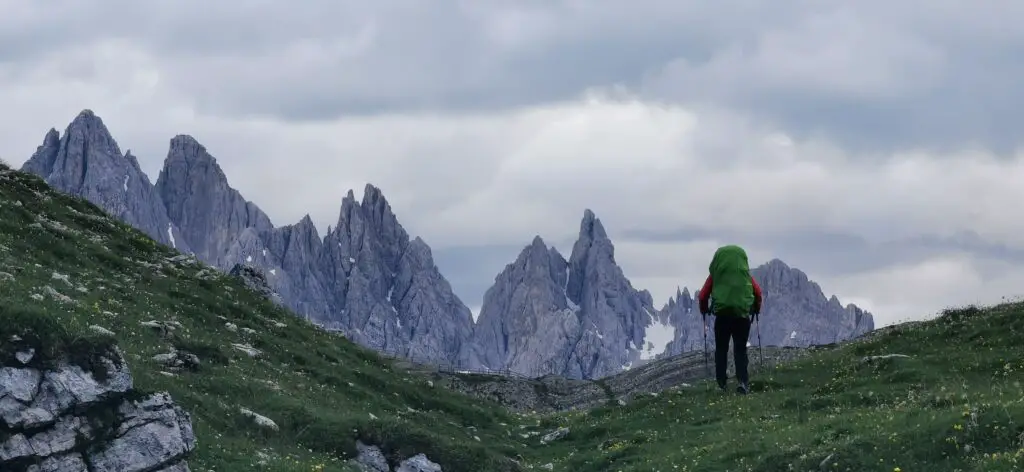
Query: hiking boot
x=743, y=389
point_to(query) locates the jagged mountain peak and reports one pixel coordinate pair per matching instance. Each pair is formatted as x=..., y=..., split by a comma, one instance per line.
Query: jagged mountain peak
x=385, y=289
x=88, y=130
x=591, y=227
x=372, y=218
x=379, y=211
x=85, y=114
x=538, y=242
x=779, y=276
x=306, y=220
x=579, y=318
x=681, y=297
x=87, y=162
x=210, y=213
x=87, y=120
x=186, y=140
x=372, y=195
x=538, y=257
x=186, y=154
x=52, y=137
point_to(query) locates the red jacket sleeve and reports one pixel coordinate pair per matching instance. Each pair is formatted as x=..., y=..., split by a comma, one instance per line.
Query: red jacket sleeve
x=703, y=295
x=757, y=296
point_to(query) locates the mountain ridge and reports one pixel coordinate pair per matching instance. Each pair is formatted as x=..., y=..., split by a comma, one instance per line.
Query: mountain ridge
x=370, y=279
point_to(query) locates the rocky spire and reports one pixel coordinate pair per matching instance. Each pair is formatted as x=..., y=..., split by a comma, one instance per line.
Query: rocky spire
x=385, y=290
x=579, y=318
x=210, y=213
x=88, y=163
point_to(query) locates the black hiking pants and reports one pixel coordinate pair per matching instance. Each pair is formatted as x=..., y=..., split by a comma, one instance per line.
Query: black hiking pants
x=737, y=329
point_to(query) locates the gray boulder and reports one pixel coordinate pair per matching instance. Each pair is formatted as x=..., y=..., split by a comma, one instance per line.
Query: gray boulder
x=71, y=420
x=371, y=459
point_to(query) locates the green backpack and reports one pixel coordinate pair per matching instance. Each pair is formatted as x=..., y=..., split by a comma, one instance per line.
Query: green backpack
x=732, y=293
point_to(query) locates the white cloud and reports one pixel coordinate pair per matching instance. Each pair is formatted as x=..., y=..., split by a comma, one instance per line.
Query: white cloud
x=916, y=291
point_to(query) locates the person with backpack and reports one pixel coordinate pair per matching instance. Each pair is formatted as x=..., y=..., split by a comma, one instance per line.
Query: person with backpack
x=735, y=302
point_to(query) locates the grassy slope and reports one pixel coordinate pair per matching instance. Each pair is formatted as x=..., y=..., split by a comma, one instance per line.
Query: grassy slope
x=318, y=387
x=955, y=405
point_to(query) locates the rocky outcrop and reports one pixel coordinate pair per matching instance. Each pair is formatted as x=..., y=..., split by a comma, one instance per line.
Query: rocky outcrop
x=87, y=162
x=795, y=312
x=255, y=280
x=209, y=212
x=579, y=318
x=69, y=419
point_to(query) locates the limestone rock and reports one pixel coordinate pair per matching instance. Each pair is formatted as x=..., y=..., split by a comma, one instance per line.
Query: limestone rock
x=68, y=419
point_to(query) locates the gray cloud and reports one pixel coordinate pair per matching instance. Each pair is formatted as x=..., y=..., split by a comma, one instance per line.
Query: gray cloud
x=868, y=75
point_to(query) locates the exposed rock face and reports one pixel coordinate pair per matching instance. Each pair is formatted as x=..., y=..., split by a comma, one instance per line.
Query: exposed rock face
x=579, y=318
x=797, y=313
x=366, y=278
x=683, y=313
x=200, y=202
x=385, y=291
x=527, y=323
x=294, y=270
x=794, y=312
x=88, y=163
x=65, y=419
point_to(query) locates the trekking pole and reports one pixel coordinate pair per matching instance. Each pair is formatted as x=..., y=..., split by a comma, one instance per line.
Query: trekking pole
x=707, y=370
x=760, y=349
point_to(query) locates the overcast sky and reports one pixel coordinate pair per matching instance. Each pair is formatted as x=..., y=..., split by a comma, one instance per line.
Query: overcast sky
x=872, y=144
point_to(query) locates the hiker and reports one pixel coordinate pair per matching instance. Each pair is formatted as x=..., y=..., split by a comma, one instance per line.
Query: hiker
x=736, y=301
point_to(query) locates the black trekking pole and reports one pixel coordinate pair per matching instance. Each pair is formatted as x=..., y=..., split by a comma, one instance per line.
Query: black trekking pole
x=760, y=349
x=704, y=318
